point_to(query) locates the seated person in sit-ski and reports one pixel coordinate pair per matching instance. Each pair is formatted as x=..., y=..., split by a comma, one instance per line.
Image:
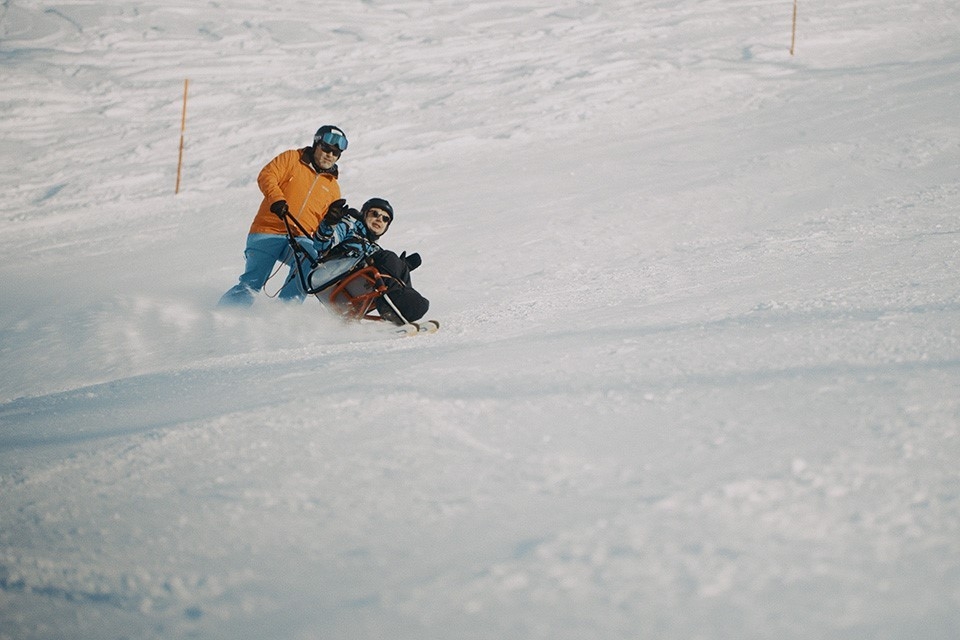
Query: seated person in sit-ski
x=347, y=227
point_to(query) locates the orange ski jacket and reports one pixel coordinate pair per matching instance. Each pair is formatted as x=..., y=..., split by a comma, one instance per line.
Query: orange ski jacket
x=291, y=177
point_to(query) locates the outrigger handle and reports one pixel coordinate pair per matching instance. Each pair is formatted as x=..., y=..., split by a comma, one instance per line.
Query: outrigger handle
x=297, y=249
x=286, y=220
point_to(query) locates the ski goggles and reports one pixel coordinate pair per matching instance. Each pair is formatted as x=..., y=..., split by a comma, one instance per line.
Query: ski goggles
x=332, y=139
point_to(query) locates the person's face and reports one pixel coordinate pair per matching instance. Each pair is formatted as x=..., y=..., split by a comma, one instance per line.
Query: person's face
x=325, y=156
x=377, y=220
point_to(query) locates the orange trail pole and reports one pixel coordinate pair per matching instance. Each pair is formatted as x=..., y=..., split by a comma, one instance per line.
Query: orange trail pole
x=183, y=125
x=793, y=31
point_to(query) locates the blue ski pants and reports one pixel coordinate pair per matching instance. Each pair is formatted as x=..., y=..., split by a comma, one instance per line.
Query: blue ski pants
x=262, y=253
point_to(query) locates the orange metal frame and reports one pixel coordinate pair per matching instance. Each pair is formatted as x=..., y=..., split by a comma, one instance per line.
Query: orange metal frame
x=359, y=306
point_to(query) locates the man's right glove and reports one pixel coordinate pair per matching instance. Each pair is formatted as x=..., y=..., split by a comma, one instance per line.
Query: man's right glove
x=335, y=212
x=279, y=209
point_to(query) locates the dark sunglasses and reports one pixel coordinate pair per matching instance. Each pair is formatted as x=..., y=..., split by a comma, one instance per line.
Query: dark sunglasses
x=380, y=216
x=326, y=148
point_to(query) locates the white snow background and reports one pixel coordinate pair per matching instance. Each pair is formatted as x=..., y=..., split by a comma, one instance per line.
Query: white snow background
x=699, y=370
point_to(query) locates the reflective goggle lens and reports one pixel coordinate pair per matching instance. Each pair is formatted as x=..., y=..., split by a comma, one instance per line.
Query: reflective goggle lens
x=334, y=139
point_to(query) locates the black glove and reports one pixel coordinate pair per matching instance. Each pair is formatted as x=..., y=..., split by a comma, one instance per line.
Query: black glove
x=279, y=209
x=335, y=212
x=413, y=260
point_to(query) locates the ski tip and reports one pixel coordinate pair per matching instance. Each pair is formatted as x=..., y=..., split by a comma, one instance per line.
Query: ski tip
x=408, y=329
x=429, y=326
x=413, y=328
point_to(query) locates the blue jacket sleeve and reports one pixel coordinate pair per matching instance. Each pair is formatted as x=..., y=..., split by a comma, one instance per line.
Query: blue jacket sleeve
x=328, y=237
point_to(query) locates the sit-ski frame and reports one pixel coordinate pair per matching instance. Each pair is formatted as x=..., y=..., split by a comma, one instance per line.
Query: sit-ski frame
x=358, y=306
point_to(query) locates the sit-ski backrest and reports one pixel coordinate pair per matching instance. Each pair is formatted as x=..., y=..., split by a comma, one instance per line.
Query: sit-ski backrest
x=331, y=271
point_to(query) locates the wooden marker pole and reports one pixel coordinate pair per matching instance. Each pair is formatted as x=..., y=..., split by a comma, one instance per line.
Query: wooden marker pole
x=793, y=31
x=183, y=125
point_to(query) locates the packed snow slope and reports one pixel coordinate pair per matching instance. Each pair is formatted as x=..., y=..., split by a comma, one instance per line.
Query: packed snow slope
x=700, y=359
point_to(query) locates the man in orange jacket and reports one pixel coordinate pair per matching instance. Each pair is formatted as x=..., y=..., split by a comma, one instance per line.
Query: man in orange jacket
x=301, y=183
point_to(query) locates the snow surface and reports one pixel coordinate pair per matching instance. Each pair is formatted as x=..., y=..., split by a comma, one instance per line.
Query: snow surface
x=700, y=360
